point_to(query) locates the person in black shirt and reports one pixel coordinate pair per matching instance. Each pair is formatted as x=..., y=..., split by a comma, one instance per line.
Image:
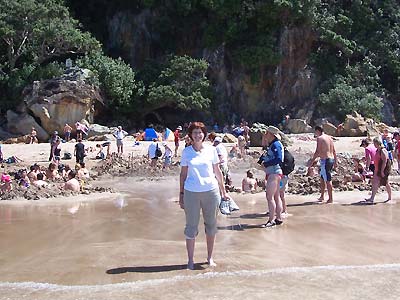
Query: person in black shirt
x=79, y=152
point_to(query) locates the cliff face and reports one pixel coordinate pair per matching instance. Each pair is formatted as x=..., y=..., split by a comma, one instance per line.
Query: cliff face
x=285, y=88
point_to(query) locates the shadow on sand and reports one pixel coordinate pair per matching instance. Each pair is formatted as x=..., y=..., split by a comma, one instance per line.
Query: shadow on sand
x=153, y=269
x=240, y=227
x=306, y=204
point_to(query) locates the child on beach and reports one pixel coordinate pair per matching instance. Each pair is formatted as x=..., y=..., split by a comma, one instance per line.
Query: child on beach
x=167, y=156
x=6, y=185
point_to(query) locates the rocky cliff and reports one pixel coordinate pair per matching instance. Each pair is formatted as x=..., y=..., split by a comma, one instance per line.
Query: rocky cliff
x=287, y=87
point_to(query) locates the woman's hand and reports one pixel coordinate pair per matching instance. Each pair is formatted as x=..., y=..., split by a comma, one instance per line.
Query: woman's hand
x=181, y=204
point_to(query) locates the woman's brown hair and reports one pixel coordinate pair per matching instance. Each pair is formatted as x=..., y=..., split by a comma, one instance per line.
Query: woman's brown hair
x=197, y=125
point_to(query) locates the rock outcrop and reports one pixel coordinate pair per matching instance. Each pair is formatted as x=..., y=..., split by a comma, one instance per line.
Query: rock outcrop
x=62, y=100
x=263, y=94
x=22, y=124
x=298, y=126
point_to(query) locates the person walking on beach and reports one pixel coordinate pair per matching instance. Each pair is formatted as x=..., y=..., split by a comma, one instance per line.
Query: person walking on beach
x=67, y=132
x=223, y=158
x=177, y=138
x=152, y=152
x=272, y=162
x=382, y=171
x=120, y=134
x=79, y=152
x=326, y=152
x=201, y=188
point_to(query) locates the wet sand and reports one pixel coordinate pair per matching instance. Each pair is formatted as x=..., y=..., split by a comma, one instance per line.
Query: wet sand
x=131, y=246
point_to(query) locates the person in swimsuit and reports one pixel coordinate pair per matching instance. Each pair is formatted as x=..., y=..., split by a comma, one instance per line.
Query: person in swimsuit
x=327, y=154
x=382, y=171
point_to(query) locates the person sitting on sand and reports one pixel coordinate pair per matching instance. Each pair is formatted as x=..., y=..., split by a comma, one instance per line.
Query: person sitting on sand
x=359, y=172
x=23, y=178
x=72, y=184
x=52, y=172
x=39, y=182
x=6, y=185
x=249, y=183
x=33, y=171
x=83, y=172
x=100, y=154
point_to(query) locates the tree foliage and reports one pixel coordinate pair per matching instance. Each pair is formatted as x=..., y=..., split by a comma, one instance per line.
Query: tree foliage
x=182, y=84
x=115, y=77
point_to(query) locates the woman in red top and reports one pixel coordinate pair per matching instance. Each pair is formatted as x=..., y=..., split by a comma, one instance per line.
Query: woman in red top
x=177, y=139
x=382, y=170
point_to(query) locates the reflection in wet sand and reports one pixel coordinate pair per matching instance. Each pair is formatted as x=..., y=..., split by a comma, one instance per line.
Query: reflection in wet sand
x=130, y=246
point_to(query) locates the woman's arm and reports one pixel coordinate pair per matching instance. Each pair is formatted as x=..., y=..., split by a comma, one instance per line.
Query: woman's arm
x=384, y=158
x=218, y=175
x=182, y=178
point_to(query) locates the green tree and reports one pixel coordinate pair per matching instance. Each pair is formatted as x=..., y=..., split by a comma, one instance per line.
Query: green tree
x=182, y=84
x=116, y=78
x=345, y=99
x=40, y=31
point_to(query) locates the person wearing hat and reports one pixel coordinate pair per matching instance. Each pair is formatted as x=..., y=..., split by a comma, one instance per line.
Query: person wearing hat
x=223, y=158
x=387, y=143
x=370, y=152
x=6, y=185
x=177, y=138
x=327, y=154
x=120, y=134
x=272, y=163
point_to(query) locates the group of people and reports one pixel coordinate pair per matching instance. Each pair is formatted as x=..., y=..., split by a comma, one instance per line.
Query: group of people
x=39, y=176
x=203, y=169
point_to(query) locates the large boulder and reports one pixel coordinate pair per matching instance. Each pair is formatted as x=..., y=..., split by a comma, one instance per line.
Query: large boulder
x=62, y=100
x=98, y=130
x=354, y=125
x=229, y=138
x=298, y=126
x=22, y=124
x=329, y=129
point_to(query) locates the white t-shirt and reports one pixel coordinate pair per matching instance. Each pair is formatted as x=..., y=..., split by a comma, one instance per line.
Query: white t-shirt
x=200, y=177
x=152, y=149
x=119, y=135
x=223, y=154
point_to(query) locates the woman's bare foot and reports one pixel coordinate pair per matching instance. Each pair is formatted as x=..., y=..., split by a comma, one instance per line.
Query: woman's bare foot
x=190, y=265
x=211, y=262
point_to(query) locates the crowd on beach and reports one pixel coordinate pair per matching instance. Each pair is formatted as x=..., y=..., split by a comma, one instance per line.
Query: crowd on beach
x=205, y=179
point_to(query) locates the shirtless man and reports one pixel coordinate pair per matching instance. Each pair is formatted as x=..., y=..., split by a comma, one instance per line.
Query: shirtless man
x=72, y=184
x=327, y=154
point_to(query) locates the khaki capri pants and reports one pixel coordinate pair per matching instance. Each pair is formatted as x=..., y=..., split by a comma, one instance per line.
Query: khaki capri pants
x=206, y=201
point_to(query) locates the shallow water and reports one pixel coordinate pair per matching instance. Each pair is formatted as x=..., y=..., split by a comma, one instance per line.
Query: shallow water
x=130, y=246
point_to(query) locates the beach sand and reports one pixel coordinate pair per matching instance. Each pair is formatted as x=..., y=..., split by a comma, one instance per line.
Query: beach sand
x=130, y=245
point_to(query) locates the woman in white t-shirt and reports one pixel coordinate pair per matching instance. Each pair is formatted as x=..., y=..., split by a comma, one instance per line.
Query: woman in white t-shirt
x=201, y=187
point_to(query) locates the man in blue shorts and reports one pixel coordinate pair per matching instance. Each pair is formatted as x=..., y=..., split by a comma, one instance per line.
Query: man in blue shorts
x=327, y=154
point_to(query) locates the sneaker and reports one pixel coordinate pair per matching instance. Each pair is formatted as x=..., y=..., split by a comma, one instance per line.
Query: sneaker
x=278, y=222
x=284, y=215
x=270, y=224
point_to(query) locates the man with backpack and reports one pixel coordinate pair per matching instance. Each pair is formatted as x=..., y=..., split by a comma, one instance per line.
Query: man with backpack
x=154, y=152
x=287, y=166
